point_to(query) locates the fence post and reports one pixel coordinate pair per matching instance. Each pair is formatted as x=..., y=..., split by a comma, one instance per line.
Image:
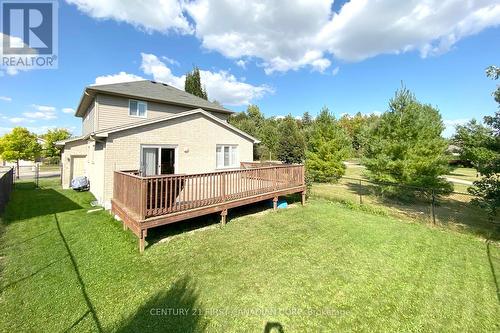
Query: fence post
x=360, y=193
x=37, y=175
x=433, y=205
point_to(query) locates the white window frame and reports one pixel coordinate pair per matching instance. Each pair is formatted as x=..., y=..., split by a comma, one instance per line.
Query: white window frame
x=232, y=164
x=137, y=114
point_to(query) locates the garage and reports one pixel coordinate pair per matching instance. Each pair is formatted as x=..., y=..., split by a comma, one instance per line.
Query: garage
x=77, y=166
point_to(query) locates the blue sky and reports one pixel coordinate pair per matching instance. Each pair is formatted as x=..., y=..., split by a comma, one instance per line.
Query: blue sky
x=282, y=63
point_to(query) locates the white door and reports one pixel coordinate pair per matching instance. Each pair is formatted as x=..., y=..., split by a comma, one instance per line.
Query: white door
x=150, y=161
x=77, y=166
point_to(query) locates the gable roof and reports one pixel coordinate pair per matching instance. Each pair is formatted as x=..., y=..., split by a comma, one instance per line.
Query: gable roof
x=150, y=91
x=104, y=133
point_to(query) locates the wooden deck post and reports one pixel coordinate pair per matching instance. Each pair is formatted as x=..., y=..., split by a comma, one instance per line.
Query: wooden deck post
x=275, y=203
x=223, y=215
x=125, y=228
x=142, y=240
x=303, y=198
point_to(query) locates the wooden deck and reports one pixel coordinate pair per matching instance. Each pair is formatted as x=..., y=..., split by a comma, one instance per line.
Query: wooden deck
x=147, y=202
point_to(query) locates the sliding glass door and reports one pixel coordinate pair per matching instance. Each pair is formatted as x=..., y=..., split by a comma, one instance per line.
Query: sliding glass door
x=150, y=161
x=157, y=160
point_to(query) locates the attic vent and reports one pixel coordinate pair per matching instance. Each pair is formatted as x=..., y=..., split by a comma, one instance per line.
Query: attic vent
x=153, y=82
x=166, y=85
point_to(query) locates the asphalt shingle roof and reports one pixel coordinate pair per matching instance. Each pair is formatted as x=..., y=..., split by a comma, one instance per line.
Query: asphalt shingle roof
x=152, y=90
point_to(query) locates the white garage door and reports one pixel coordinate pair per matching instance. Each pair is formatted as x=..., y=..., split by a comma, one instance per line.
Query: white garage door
x=77, y=166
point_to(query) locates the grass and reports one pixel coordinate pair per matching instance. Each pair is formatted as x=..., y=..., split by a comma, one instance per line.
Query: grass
x=468, y=174
x=326, y=266
x=50, y=168
x=453, y=211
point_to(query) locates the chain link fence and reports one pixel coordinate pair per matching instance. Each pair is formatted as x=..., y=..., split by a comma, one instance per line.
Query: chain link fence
x=455, y=210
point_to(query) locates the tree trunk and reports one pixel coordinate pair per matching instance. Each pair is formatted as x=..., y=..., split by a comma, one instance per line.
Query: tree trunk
x=17, y=165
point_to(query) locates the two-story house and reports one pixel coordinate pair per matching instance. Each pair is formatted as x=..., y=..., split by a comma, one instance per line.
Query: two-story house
x=150, y=127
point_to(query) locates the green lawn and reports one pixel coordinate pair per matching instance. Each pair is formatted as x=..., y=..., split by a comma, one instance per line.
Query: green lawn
x=325, y=266
x=50, y=168
x=468, y=174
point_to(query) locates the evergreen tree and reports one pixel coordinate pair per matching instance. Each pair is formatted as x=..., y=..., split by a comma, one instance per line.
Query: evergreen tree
x=306, y=119
x=193, y=85
x=291, y=144
x=406, y=146
x=327, y=148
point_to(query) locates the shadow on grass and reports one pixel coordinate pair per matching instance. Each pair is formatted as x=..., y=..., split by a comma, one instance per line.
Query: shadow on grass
x=28, y=202
x=30, y=276
x=174, y=310
x=157, y=234
x=493, y=272
x=90, y=306
x=273, y=327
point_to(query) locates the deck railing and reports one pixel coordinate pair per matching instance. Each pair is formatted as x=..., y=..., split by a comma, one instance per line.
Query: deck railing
x=160, y=195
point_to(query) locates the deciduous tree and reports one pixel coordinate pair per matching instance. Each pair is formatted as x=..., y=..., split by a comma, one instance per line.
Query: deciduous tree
x=50, y=150
x=20, y=144
x=291, y=144
x=488, y=188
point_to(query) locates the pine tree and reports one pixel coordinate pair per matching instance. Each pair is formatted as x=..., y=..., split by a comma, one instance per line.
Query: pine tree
x=193, y=85
x=405, y=145
x=327, y=148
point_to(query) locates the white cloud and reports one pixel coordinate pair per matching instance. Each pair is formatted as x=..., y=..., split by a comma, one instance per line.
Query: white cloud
x=364, y=29
x=117, y=78
x=152, y=65
x=303, y=33
x=335, y=71
x=15, y=42
x=40, y=115
x=42, y=112
x=44, y=108
x=451, y=124
x=6, y=98
x=221, y=86
x=68, y=110
x=278, y=34
x=16, y=120
x=300, y=33
x=153, y=15
x=170, y=61
x=241, y=63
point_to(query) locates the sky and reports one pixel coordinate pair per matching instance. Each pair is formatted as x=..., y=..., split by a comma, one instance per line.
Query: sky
x=287, y=57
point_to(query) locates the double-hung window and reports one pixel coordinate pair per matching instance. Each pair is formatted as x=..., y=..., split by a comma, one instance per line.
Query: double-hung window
x=137, y=108
x=227, y=156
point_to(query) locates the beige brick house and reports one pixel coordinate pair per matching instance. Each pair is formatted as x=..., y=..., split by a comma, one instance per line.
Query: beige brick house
x=153, y=128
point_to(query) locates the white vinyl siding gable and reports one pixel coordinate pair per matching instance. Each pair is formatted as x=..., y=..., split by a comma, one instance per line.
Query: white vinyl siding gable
x=226, y=156
x=137, y=108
